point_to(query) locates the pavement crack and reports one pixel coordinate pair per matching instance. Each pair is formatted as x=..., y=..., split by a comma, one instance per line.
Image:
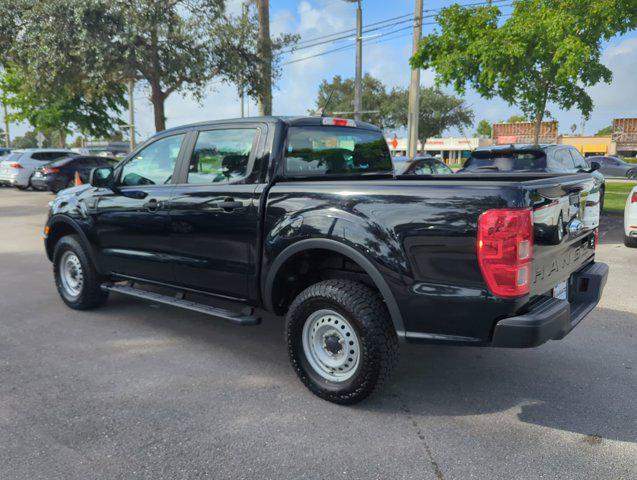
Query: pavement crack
x=421, y=437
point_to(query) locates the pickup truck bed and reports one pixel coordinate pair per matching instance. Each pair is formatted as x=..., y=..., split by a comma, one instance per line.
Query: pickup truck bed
x=303, y=217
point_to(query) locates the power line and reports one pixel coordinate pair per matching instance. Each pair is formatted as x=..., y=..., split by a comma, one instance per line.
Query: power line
x=348, y=32
x=371, y=41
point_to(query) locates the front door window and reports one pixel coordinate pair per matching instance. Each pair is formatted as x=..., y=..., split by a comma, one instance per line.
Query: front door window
x=153, y=165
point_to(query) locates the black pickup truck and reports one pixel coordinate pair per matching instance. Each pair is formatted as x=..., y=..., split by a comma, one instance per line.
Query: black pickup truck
x=304, y=218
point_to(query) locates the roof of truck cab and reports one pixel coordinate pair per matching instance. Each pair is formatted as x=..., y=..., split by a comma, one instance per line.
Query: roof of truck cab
x=292, y=121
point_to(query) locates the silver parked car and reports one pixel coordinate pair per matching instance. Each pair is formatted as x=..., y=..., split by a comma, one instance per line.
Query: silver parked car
x=17, y=168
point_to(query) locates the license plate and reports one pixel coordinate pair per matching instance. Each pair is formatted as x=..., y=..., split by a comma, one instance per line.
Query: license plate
x=37, y=174
x=561, y=290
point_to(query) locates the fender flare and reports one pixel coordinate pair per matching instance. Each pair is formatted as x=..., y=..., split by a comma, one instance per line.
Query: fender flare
x=60, y=218
x=347, y=251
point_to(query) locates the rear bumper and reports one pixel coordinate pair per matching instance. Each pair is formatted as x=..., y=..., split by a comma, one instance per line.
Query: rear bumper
x=20, y=179
x=553, y=319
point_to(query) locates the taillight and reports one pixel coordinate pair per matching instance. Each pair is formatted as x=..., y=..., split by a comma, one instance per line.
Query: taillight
x=633, y=199
x=15, y=165
x=505, y=250
x=46, y=170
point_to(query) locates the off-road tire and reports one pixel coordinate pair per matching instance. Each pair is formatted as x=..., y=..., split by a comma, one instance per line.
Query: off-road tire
x=365, y=310
x=91, y=295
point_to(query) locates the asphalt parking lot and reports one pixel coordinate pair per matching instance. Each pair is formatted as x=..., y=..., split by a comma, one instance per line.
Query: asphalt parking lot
x=135, y=390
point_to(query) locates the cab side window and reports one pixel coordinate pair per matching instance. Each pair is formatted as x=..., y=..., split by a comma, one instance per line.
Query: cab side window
x=153, y=165
x=221, y=156
x=441, y=169
x=578, y=159
x=563, y=160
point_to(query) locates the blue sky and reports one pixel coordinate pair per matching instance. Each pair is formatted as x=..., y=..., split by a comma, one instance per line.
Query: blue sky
x=387, y=60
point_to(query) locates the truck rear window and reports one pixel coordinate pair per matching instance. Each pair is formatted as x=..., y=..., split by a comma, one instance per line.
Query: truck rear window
x=326, y=150
x=505, y=162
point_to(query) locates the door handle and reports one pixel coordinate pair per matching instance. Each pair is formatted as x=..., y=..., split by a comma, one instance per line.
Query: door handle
x=153, y=205
x=229, y=204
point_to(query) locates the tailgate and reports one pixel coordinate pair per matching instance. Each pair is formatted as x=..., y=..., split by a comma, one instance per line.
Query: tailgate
x=565, y=216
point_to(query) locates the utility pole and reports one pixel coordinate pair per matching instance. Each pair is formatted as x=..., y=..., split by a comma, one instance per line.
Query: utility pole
x=131, y=114
x=244, y=17
x=358, y=70
x=265, y=52
x=414, y=88
x=7, y=137
x=242, y=98
x=358, y=79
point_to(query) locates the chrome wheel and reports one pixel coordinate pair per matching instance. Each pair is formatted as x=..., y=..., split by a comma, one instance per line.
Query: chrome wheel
x=331, y=345
x=71, y=275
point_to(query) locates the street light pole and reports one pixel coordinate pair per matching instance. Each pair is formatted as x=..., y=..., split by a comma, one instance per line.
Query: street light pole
x=414, y=88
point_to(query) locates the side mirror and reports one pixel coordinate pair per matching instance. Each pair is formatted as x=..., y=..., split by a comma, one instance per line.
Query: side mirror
x=594, y=166
x=102, y=177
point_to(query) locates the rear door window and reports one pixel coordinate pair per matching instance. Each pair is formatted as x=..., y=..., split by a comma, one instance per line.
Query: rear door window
x=221, y=156
x=322, y=150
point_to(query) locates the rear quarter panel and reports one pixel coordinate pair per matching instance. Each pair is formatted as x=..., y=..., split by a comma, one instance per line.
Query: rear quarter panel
x=419, y=234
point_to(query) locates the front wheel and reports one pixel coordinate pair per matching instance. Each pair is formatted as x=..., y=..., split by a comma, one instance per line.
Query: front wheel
x=76, y=279
x=341, y=341
x=631, y=174
x=630, y=242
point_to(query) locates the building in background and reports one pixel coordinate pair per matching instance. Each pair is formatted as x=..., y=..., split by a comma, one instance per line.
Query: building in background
x=523, y=132
x=450, y=149
x=625, y=136
x=590, y=145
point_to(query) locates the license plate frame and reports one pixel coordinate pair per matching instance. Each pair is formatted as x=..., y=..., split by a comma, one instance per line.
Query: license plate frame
x=560, y=291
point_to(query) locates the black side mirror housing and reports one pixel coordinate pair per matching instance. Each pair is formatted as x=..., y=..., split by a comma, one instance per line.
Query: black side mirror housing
x=102, y=177
x=594, y=166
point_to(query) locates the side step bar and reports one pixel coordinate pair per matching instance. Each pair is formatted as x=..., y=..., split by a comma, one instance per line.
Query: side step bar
x=245, y=317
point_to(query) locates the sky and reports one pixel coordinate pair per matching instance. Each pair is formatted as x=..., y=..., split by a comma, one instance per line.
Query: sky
x=386, y=58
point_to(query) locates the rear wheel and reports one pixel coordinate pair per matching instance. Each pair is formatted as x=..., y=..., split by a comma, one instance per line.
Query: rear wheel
x=341, y=341
x=23, y=187
x=630, y=242
x=76, y=278
x=632, y=174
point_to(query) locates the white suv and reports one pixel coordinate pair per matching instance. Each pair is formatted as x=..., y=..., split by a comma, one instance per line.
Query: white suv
x=16, y=168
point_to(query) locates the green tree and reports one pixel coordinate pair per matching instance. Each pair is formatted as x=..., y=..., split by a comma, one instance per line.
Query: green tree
x=605, y=131
x=547, y=51
x=29, y=140
x=240, y=52
x=91, y=46
x=62, y=109
x=517, y=119
x=483, y=129
x=375, y=98
x=438, y=111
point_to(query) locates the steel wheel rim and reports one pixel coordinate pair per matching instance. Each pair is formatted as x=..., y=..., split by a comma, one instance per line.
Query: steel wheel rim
x=331, y=345
x=71, y=274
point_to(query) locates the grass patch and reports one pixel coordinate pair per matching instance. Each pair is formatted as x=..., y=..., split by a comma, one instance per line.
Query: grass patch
x=615, y=197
